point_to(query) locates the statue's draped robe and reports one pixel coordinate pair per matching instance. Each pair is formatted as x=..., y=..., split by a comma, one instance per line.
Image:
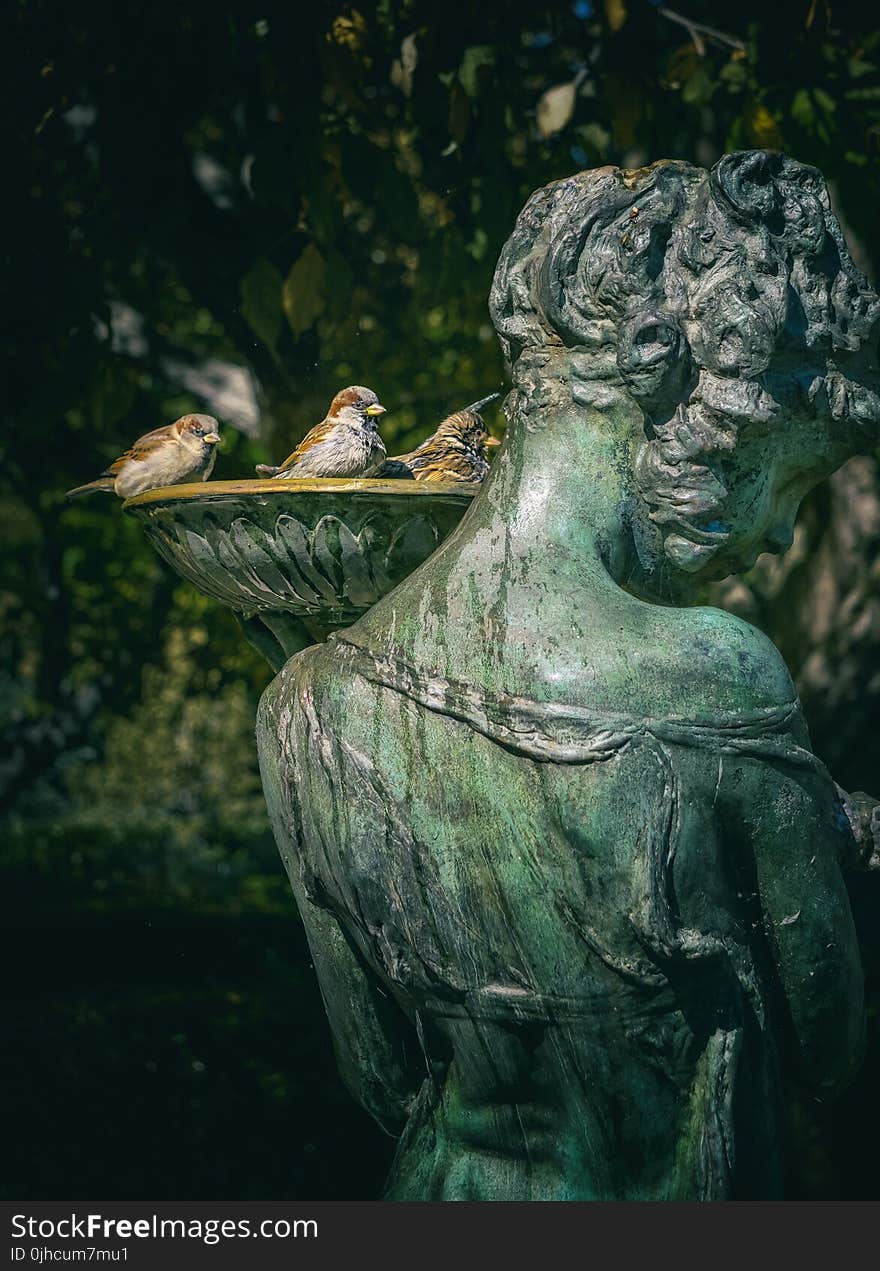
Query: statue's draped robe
x=620, y=972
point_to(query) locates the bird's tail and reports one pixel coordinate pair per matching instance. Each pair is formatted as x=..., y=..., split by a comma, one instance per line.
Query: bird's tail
x=476, y=407
x=104, y=484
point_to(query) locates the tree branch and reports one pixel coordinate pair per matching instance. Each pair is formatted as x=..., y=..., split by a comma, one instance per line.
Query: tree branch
x=696, y=30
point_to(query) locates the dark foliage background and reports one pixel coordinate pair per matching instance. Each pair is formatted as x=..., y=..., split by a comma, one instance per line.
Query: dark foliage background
x=238, y=207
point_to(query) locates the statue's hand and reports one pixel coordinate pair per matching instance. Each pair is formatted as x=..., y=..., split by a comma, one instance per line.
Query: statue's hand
x=863, y=813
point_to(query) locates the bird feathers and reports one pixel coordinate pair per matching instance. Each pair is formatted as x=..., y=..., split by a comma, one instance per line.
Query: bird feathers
x=346, y=443
x=140, y=450
x=170, y=455
x=103, y=485
x=455, y=451
x=314, y=437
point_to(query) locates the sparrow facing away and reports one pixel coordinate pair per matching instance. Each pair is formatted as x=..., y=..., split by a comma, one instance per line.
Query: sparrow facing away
x=345, y=444
x=455, y=452
x=178, y=452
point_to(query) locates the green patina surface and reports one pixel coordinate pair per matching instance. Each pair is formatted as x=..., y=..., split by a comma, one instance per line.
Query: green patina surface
x=569, y=870
x=571, y=883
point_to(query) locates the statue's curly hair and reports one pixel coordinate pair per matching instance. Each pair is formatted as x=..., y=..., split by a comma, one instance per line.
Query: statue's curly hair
x=695, y=292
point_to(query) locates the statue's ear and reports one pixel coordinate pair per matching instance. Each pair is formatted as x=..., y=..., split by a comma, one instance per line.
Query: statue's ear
x=746, y=183
x=653, y=357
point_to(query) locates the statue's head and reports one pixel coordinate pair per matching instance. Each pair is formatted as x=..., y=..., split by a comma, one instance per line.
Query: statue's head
x=726, y=306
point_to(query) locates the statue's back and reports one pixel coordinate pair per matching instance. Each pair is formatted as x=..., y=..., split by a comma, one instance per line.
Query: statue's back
x=526, y=916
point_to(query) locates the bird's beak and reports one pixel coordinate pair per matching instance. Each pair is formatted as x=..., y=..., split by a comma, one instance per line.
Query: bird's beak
x=493, y=441
x=210, y=438
x=375, y=410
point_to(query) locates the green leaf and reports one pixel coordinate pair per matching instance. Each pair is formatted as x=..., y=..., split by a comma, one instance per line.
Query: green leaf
x=802, y=111
x=475, y=58
x=479, y=243
x=261, y=302
x=863, y=94
x=459, y=112
x=734, y=74
x=324, y=211
x=596, y=139
x=304, y=291
x=555, y=108
x=615, y=13
x=699, y=87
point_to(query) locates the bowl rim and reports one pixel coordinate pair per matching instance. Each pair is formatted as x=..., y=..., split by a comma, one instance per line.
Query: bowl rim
x=194, y=491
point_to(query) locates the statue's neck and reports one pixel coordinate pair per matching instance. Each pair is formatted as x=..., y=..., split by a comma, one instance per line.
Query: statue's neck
x=528, y=589
x=560, y=497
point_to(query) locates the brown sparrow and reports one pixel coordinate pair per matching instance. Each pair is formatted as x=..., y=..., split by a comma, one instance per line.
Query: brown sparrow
x=178, y=452
x=455, y=452
x=345, y=444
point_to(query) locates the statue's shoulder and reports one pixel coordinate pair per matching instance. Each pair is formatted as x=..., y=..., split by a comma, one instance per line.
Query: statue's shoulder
x=717, y=661
x=700, y=664
x=657, y=662
x=319, y=679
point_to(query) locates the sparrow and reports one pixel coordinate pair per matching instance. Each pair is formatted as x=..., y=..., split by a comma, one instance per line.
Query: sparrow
x=455, y=452
x=178, y=452
x=345, y=444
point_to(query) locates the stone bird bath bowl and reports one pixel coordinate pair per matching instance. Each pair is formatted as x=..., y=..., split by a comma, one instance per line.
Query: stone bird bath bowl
x=296, y=560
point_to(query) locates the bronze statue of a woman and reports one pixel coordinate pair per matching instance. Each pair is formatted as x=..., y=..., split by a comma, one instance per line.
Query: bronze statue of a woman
x=570, y=871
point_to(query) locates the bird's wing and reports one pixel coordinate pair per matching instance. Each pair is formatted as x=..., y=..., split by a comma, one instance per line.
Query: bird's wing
x=140, y=450
x=450, y=466
x=416, y=455
x=314, y=437
x=407, y=458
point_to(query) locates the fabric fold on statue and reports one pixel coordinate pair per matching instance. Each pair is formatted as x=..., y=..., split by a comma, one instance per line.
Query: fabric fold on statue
x=554, y=732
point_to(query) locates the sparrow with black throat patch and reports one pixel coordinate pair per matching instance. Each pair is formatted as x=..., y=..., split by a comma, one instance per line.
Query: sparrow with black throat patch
x=172, y=455
x=345, y=444
x=455, y=452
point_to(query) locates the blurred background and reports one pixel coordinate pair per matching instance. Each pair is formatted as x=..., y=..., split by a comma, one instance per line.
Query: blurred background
x=239, y=207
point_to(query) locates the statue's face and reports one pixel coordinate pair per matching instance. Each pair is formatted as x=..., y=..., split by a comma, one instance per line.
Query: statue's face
x=816, y=415
x=766, y=484
x=738, y=456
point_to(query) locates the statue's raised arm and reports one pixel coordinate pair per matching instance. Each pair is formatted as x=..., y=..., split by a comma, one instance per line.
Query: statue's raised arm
x=568, y=833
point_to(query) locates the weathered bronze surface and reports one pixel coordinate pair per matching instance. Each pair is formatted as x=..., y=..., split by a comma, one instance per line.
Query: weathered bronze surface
x=297, y=559
x=570, y=872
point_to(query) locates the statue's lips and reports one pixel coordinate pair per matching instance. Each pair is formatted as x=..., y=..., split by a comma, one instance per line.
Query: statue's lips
x=707, y=536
